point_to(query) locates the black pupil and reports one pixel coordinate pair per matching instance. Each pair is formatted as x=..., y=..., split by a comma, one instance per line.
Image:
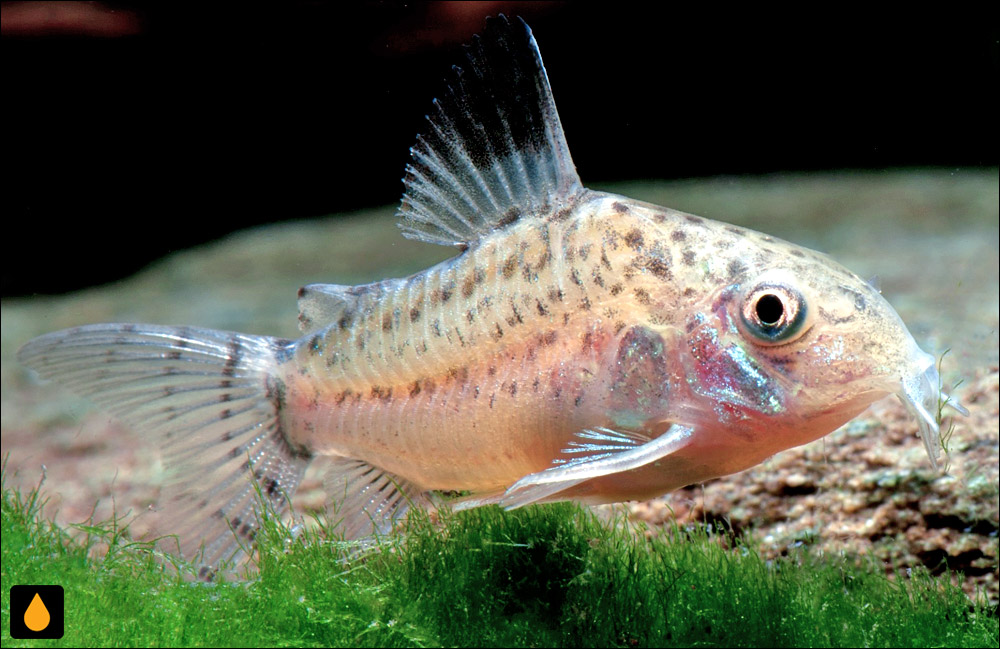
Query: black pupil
x=769, y=309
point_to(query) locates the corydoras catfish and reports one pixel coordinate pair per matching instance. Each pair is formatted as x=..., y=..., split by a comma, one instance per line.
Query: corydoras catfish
x=582, y=346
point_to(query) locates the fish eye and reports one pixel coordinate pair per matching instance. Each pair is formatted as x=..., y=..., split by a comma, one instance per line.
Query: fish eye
x=774, y=313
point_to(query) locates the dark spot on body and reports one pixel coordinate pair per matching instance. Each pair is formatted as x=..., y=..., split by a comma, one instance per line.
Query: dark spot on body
x=736, y=267
x=498, y=333
x=691, y=218
x=619, y=207
x=226, y=414
x=509, y=266
x=387, y=322
x=415, y=389
x=383, y=394
x=276, y=392
x=548, y=338
x=563, y=214
x=616, y=289
x=732, y=229
x=555, y=295
x=543, y=260
x=678, y=235
x=688, y=257
x=542, y=311
x=468, y=286
x=414, y=314
x=796, y=253
x=634, y=239
x=658, y=266
x=642, y=296
x=509, y=217
x=513, y=388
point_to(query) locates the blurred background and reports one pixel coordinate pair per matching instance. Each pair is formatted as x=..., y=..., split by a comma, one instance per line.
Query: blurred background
x=132, y=130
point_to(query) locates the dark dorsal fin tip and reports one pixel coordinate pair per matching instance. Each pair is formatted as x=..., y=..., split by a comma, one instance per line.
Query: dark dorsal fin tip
x=494, y=146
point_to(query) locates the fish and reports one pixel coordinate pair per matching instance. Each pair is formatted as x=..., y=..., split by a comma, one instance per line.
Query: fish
x=580, y=346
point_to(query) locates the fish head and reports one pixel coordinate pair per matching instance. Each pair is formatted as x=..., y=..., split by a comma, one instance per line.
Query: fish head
x=794, y=345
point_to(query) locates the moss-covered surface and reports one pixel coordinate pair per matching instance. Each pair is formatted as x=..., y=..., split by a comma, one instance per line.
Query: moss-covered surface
x=543, y=576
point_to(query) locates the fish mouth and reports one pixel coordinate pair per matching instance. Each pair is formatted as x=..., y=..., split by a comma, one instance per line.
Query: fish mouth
x=922, y=395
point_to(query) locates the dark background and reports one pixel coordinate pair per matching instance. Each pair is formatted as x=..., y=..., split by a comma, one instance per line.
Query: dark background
x=131, y=131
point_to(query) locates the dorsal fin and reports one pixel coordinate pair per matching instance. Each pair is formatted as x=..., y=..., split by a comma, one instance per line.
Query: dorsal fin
x=494, y=150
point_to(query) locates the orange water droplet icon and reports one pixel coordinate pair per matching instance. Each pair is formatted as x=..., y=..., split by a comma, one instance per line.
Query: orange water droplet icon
x=37, y=616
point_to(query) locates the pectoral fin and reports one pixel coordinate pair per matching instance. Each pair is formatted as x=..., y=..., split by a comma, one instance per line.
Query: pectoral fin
x=603, y=452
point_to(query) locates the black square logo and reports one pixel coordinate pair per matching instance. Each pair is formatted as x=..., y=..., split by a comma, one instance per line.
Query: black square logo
x=36, y=612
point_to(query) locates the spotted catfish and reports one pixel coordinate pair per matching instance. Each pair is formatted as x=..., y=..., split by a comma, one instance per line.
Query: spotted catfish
x=581, y=346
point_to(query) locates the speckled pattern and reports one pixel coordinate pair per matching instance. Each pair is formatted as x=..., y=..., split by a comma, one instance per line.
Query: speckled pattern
x=867, y=488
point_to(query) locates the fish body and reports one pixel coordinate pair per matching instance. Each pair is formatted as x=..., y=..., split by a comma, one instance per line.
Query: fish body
x=582, y=346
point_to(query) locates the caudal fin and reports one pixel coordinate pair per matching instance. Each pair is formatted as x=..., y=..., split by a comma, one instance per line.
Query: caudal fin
x=211, y=399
